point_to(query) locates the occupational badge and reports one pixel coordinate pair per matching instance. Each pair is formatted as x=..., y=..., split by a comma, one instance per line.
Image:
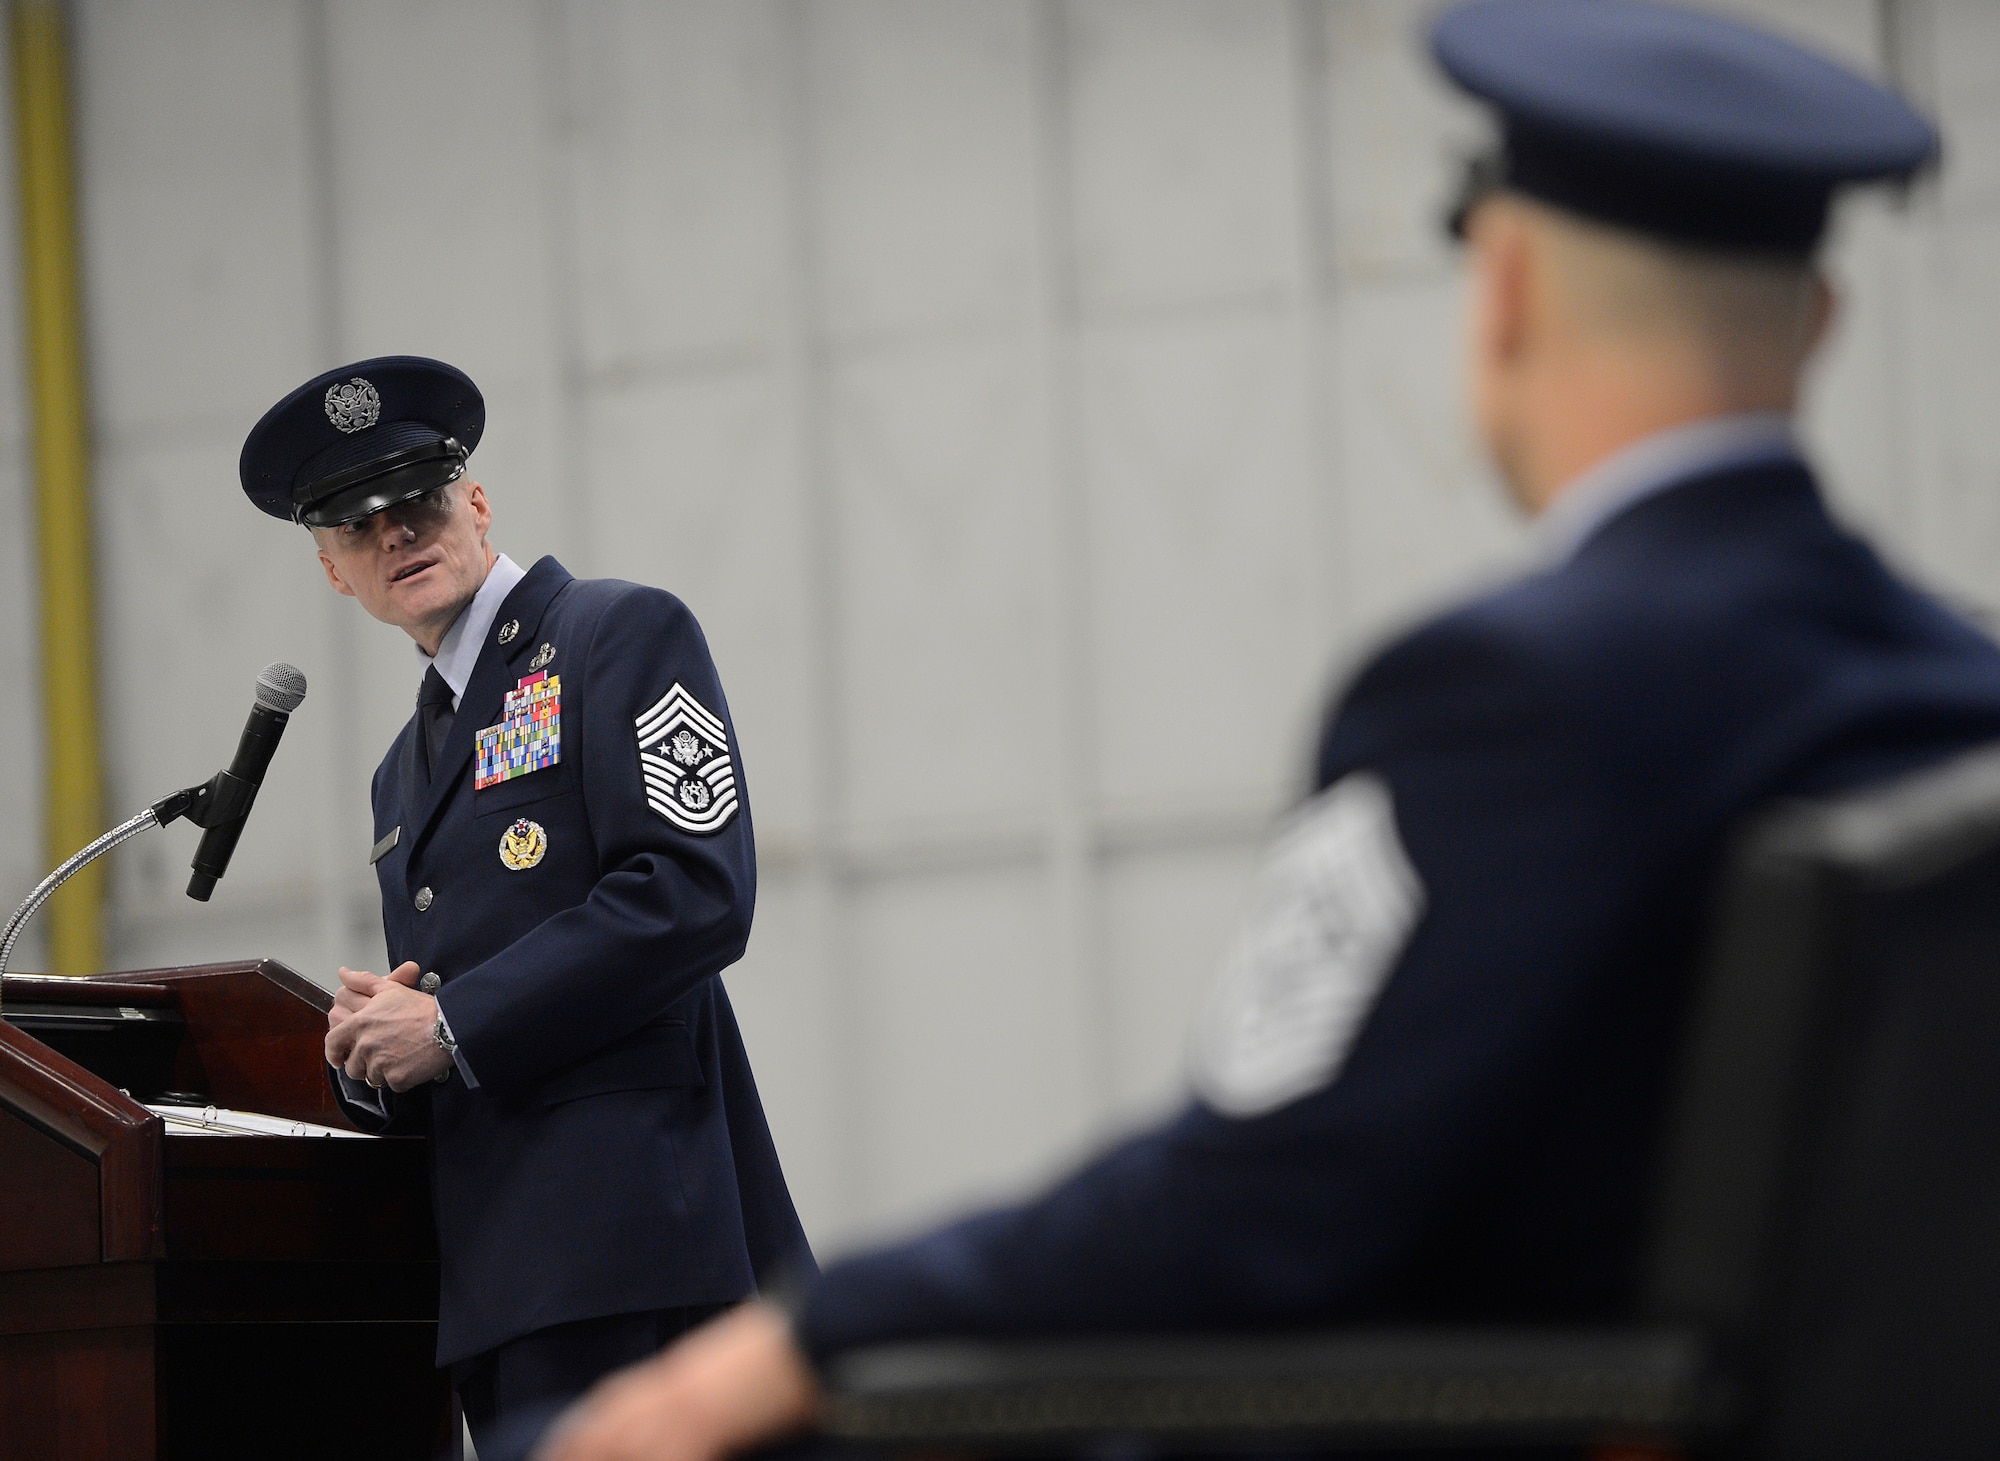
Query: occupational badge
x=542, y=657
x=684, y=757
x=529, y=736
x=508, y=631
x=522, y=845
x=354, y=406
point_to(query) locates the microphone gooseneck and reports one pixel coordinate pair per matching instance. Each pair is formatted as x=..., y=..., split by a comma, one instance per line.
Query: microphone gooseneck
x=219, y=804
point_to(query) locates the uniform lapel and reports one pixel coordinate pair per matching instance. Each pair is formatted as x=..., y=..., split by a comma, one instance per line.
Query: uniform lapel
x=493, y=675
x=411, y=767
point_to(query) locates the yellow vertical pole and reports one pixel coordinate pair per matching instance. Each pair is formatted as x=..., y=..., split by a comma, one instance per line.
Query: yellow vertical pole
x=51, y=318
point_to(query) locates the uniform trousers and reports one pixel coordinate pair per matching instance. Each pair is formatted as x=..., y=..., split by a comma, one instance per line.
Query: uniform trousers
x=512, y=1393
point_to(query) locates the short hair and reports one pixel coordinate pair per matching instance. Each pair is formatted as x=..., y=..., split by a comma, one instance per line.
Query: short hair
x=1618, y=280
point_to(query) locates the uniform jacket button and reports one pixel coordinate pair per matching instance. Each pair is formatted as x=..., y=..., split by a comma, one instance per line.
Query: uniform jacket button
x=424, y=896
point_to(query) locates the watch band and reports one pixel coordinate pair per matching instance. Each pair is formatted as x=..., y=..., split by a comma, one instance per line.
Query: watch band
x=441, y=1033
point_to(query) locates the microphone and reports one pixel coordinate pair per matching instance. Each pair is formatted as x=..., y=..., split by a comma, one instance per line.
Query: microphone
x=225, y=802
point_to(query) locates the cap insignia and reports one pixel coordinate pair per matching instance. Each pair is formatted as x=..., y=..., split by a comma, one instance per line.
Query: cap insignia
x=353, y=407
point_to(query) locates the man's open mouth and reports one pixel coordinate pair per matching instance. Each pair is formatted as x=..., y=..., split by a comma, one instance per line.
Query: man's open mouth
x=408, y=569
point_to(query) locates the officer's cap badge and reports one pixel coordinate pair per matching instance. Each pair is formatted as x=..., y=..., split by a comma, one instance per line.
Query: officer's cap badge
x=354, y=406
x=684, y=757
x=522, y=845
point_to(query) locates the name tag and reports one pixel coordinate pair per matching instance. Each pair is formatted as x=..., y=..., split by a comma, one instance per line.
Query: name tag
x=383, y=848
x=529, y=736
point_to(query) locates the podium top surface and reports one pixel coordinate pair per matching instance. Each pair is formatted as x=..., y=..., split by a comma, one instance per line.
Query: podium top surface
x=85, y=1167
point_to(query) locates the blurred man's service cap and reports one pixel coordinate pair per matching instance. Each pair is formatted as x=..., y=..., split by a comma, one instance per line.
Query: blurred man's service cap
x=1675, y=123
x=361, y=438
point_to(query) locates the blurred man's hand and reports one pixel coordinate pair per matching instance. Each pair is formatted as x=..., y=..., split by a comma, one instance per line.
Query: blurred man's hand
x=737, y=1382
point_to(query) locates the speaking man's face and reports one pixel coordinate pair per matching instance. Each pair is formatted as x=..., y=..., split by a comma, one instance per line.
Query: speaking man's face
x=417, y=564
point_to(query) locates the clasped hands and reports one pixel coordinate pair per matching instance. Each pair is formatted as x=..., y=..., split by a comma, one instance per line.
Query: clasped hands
x=379, y=1030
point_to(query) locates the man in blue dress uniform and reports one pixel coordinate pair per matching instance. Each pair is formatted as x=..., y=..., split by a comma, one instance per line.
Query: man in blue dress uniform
x=564, y=849
x=1431, y=1079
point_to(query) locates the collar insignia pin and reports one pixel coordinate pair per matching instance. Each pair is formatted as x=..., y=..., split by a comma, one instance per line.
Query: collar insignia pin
x=542, y=656
x=509, y=630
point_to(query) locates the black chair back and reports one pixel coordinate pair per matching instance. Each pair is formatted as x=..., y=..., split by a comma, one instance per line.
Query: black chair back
x=1831, y=1205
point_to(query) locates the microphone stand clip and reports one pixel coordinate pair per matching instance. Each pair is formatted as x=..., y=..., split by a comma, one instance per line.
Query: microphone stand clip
x=220, y=799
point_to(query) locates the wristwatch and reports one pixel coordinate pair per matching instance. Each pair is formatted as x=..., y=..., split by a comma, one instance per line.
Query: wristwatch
x=441, y=1033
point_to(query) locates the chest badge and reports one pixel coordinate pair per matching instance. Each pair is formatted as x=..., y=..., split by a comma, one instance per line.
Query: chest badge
x=522, y=845
x=528, y=738
x=542, y=657
x=508, y=631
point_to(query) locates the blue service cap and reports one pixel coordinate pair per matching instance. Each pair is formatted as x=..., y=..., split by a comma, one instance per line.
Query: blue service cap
x=1676, y=123
x=361, y=438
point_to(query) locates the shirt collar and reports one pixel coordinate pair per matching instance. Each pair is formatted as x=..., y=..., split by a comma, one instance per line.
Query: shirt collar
x=1653, y=463
x=459, y=650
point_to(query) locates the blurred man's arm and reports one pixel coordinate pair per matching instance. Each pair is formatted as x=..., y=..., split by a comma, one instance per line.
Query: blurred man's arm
x=734, y=1384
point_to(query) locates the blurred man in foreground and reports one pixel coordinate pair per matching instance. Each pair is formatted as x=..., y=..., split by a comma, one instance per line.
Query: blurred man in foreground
x=1431, y=1079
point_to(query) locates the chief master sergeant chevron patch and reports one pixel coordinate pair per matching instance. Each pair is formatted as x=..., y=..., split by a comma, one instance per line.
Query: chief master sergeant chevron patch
x=684, y=754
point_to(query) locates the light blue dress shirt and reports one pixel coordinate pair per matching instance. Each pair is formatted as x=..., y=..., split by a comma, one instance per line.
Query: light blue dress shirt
x=457, y=653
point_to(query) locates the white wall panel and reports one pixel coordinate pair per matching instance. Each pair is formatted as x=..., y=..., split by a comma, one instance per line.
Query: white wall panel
x=1853, y=417
x=21, y=852
x=695, y=500
x=1426, y=517
x=969, y=1064
x=1168, y=917
x=1399, y=134
x=440, y=160
x=1959, y=346
x=922, y=163
x=1203, y=531
x=1186, y=186
x=945, y=694
x=1963, y=62
x=797, y=1027
x=675, y=152
x=192, y=162
x=179, y=654
x=1849, y=31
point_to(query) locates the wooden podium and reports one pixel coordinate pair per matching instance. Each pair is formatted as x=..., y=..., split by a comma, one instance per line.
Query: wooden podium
x=182, y=1296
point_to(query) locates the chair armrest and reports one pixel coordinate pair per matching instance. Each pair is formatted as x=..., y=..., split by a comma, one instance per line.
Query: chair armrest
x=1328, y=1390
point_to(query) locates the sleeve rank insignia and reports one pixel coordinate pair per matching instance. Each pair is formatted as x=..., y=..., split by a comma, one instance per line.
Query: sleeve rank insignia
x=684, y=756
x=529, y=736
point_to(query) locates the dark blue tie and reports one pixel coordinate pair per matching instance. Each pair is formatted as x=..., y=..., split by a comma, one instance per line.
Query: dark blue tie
x=433, y=717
